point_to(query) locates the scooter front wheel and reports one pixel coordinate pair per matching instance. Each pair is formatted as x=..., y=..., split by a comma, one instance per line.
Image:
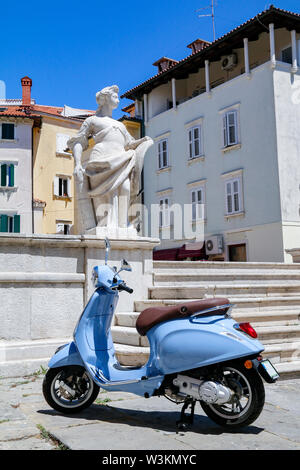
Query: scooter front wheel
x=69, y=389
x=248, y=398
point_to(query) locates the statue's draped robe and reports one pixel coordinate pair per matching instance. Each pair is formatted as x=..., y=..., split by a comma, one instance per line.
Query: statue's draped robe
x=107, y=172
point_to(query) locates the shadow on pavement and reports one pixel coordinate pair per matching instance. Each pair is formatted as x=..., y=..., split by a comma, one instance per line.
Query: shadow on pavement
x=157, y=420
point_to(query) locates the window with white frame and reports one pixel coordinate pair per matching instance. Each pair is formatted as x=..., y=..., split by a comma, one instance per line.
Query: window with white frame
x=197, y=201
x=10, y=223
x=230, y=128
x=63, y=227
x=163, y=157
x=61, y=144
x=7, y=174
x=164, y=212
x=7, y=131
x=195, y=144
x=62, y=186
x=233, y=192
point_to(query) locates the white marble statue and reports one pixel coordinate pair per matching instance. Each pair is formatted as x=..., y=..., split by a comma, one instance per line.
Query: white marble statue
x=114, y=165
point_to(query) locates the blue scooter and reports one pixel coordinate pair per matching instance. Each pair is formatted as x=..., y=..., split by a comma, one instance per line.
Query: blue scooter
x=197, y=353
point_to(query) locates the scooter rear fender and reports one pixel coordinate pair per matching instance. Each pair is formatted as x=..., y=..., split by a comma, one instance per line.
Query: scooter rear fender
x=66, y=355
x=191, y=343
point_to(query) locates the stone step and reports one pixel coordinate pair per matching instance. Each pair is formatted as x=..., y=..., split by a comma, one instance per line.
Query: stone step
x=132, y=355
x=222, y=265
x=128, y=335
x=193, y=291
x=170, y=278
x=286, y=317
x=275, y=333
x=282, y=352
x=257, y=303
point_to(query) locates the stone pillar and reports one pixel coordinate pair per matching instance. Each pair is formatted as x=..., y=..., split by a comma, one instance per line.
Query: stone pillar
x=174, y=93
x=246, y=57
x=294, y=52
x=272, y=45
x=207, y=83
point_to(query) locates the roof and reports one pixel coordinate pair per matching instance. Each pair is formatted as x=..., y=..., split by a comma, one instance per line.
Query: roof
x=221, y=46
x=20, y=111
x=35, y=111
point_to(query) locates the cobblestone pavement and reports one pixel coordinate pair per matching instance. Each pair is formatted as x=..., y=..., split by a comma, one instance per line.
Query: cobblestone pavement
x=124, y=421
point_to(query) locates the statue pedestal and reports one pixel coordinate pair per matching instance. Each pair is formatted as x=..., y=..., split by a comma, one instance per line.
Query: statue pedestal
x=46, y=281
x=119, y=233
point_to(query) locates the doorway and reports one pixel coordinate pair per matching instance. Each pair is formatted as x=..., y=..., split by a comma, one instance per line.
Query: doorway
x=237, y=252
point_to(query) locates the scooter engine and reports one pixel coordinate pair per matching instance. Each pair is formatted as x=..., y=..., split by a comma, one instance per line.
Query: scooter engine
x=204, y=390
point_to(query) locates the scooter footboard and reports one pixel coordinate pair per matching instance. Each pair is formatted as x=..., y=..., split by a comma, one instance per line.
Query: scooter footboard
x=66, y=355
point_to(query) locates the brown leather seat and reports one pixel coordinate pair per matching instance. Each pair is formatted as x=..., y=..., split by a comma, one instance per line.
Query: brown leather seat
x=154, y=315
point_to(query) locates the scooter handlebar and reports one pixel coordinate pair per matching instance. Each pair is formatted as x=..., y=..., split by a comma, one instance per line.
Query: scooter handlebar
x=126, y=288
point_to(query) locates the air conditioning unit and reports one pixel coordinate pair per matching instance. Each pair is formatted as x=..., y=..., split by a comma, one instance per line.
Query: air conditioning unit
x=229, y=62
x=214, y=245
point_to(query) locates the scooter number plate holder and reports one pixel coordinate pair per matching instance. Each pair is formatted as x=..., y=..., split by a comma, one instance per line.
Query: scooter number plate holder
x=268, y=371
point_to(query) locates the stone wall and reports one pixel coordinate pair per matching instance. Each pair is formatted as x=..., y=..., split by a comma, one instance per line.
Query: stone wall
x=45, y=281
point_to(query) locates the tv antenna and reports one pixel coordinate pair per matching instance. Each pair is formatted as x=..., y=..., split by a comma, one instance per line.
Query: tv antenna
x=211, y=7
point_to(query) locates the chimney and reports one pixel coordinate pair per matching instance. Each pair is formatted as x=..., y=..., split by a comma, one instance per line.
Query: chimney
x=164, y=63
x=26, y=91
x=198, y=45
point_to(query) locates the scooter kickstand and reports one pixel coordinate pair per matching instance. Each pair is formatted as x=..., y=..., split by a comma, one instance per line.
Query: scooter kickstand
x=186, y=421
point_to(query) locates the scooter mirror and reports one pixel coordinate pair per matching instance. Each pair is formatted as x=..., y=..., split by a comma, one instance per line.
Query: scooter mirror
x=125, y=266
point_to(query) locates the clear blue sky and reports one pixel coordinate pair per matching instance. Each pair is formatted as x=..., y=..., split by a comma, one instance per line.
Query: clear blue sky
x=71, y=49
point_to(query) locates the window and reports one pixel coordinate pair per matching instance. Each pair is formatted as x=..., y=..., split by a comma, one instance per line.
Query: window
x=61, y=144
x=62, y=186
x=163, y=159
x=233, y=196
x=63, y=228
x=195, y=145
x=7, y=131
x=164, y=212
x=230, y=128
x=197, y=200
x=7, y=174
x=286, y=55
x=10, y=223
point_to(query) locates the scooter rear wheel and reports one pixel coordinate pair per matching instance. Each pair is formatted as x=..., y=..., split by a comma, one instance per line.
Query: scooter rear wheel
x=69, y=389
x=247, y=401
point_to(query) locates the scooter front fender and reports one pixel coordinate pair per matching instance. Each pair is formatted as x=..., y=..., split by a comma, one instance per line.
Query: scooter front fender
x=66, y=355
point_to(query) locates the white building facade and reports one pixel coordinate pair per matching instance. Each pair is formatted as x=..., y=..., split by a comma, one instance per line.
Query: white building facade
x=225, y=122
x=16, y=173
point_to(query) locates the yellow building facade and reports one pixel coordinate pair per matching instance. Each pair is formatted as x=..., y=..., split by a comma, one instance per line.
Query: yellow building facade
x=53, y=181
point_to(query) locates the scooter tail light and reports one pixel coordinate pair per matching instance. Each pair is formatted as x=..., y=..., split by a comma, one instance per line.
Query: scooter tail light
x=246, y=328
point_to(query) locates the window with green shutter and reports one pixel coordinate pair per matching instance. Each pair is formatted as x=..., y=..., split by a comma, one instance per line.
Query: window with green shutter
x=10, y=223
x=8, y=174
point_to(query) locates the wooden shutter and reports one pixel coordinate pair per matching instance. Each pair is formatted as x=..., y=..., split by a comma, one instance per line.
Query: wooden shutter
x=56, y=186
x=3, y=223
x=3, y=174
x=229, y=198
x=190, y=143
x=225, y=141
x=17, y=223
x=232, y=128
x=69, y=187
x=11, y=175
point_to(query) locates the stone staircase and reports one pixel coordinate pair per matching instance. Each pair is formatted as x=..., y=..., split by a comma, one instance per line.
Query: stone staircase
x=265, y=294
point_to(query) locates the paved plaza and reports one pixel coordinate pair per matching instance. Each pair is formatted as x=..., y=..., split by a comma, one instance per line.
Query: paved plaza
x=122, y=421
